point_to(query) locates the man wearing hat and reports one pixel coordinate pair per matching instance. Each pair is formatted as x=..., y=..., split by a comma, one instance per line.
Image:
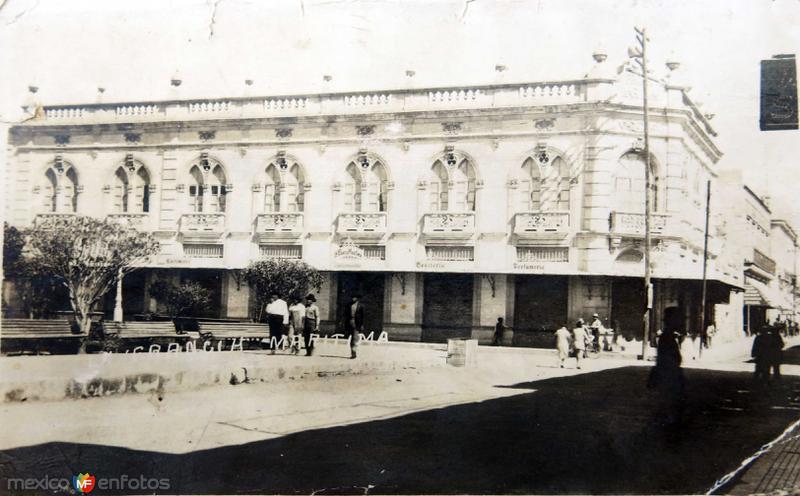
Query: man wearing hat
x=354, y=322
x=311, y=324
x=597, y=327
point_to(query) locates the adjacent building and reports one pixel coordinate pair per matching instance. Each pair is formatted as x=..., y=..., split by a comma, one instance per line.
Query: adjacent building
x=445, y=207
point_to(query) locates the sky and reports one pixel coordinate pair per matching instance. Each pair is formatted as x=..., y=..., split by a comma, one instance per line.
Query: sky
x=133, y=48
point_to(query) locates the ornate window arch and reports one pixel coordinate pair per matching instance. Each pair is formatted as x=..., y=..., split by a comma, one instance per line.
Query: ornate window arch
x=544, y=183
x=131, y=188
x=628, y=187
x=366, y=185
x=452, y=184
x=281, y=186
x=61, y=187
x=207, y=185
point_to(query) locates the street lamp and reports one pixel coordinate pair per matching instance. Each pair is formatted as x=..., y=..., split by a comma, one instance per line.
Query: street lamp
x=639, y=55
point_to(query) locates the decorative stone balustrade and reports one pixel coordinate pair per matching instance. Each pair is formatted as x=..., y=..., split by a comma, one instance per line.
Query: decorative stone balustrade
x=541, y=222
x=209, y=106
x=367, y=100
x=363, y=222
x=627, y=223
x=137, y=110
x=490, y=96
x=64, y=113
x=51, y=216
x=463, y=95
x=285, y=103
x=137, y=221
x=547, y=90
x=449, y=223
x=271, y=223
x=202, y=225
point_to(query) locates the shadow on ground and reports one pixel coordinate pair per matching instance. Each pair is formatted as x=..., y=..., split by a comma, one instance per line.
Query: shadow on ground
x=791, y=356
x=592, y=433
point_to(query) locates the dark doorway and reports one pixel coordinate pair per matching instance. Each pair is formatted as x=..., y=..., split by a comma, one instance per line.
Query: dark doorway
x=447, y=307
x=540, y=303
x=370, y=285
x=627, y=307
x=210, y=279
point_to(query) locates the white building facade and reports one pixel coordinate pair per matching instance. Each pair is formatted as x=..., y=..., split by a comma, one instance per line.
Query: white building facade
x=445, y=207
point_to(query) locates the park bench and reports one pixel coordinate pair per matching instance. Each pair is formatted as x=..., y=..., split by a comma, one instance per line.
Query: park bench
x=250, y=332
x=36, y=336
x=144, y=333
x=142, y=329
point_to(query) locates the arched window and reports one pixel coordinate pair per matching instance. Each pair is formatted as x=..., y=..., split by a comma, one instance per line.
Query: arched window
x=131, y=188
x=544, y=185
x=295, y=189
x=439, y=188
x=272, y=190
x=629, y=184
x=452, y=185
x=207, y=190
x=365, y=187
x=196, y=189
x=51, y=192
x=61, y=188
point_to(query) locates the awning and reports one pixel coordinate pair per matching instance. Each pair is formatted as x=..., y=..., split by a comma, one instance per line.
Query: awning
x=757, y=294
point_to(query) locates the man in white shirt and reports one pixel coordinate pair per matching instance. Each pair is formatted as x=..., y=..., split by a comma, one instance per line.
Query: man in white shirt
x=277, y=318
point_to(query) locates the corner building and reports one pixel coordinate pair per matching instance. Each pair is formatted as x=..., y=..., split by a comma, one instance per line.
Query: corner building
x=445, y=207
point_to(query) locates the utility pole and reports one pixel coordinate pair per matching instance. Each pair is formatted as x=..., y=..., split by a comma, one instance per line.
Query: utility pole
x=639, y=54
x=703, y=332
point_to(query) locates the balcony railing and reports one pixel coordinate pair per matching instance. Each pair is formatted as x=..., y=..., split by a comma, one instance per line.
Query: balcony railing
x=52, y=216
x=627, y=223
x=202, y=225
x=137, y=221
x=361, y=222
x=291, y=222
x=486, y=96
x=449, y=223
x=541, y=222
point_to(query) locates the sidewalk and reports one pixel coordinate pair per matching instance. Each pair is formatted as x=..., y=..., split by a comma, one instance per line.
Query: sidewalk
x=59, y=377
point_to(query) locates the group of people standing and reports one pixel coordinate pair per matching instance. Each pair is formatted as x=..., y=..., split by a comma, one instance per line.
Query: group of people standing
x=304, y=318
x=582, y=338
x=767, y=352
x=291, y=320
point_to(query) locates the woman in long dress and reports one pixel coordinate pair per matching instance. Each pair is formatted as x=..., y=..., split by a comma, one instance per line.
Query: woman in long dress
x=563, y=338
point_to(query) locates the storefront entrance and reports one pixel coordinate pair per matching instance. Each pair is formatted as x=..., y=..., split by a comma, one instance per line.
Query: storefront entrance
x=627, y=307
x=447, y=307
x=370, y=285
x=540, y=303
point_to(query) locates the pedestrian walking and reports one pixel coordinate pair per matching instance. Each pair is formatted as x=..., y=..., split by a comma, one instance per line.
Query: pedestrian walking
x=277, y=318
x=311, y=323
x=354, y=323
x=760, y=355
x=666, y=378
x=297, y=317
x=596, y=329
x=563, y=338
x=580, y=338
x=498, y=332
x=775, y=353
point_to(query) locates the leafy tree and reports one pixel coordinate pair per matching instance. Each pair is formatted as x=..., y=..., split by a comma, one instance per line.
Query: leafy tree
x=180, y=300
x=39, y=292
x=287, y=278
x=87, y=256
x=13, y=245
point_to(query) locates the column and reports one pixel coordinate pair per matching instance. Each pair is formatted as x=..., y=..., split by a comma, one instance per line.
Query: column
x=118, y=315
